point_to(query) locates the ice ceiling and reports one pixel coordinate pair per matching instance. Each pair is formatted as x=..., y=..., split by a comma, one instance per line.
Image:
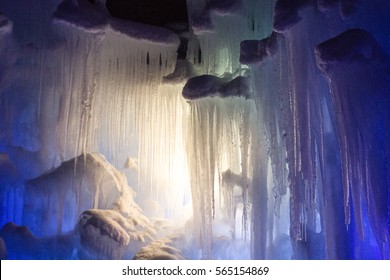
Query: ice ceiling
x=238, y=129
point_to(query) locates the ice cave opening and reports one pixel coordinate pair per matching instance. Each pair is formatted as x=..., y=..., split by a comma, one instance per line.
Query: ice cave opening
x=194, y=129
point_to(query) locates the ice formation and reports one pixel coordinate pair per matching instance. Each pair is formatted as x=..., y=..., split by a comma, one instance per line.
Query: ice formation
x=252, y=129
x=159, y=250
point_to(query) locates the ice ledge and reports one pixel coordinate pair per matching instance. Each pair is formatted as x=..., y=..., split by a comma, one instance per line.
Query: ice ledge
x=256, y=51
x=93, y=19
x=351, y=46
x=204, y=23
x=213, y=86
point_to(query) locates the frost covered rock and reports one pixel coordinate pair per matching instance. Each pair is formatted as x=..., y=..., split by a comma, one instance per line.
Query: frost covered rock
x=55, y=200
x=106, y=234
x=213, y=86
x=161, y=249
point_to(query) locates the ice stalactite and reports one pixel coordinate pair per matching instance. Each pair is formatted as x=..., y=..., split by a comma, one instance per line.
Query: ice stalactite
x=118, y=73
x=117, y=102
x=290, y=110
x=222, y=153
x=99, y=89
x=163, y=174
x=302, y=129
x=362, y=121
x=220, y=146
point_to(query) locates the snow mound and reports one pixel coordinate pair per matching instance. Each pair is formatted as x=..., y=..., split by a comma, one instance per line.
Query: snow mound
x=82, y=183
x=255, y=51
x=161, y=249
x=286, y=13
x=213, y=86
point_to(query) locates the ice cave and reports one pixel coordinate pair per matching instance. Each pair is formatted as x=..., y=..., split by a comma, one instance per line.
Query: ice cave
x=194, y=129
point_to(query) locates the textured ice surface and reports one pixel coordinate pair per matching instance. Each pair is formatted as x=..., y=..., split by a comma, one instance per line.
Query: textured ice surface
x=159, y=250
x=106, y=234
